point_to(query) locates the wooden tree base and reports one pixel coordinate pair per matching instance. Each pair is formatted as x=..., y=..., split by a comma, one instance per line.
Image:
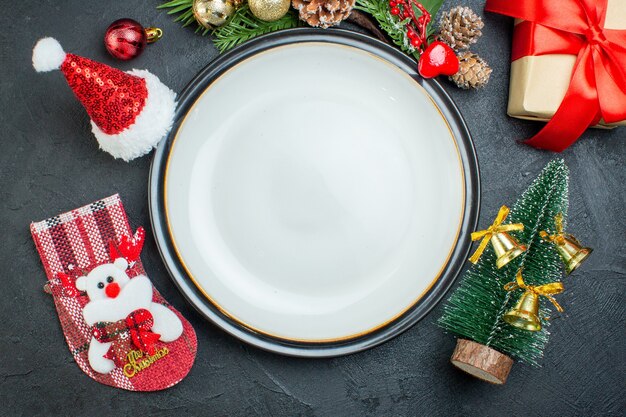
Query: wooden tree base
x=481, y=361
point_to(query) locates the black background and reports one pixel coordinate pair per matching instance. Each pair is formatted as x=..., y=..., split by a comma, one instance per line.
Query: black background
x=50, y=163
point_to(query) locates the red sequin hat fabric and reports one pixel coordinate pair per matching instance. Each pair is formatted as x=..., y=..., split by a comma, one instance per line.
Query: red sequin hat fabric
x=130, y=111
x=113, y=99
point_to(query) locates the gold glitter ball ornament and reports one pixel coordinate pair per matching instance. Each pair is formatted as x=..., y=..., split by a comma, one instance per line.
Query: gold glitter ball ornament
x=269, y=10
x=213, y=13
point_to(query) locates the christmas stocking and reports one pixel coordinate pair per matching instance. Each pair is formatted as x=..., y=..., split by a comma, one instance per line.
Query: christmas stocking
x=118, y=327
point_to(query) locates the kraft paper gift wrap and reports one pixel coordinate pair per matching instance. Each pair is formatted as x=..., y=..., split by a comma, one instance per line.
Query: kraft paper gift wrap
x=539, y=83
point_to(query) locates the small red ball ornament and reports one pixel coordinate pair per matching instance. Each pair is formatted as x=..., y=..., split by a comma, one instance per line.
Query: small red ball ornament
x=126, y=39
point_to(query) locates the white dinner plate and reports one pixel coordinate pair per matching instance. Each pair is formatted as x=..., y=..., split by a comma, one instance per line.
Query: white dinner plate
x=313, y=192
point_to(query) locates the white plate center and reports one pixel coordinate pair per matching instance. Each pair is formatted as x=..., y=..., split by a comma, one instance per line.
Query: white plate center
x=314, y=210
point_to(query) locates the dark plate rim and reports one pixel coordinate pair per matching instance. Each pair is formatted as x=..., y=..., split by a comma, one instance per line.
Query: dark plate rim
x=315, y=349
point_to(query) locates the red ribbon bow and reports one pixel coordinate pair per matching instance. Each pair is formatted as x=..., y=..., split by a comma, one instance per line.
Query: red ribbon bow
x=135, y=330
x=140, y=323
x=597, y=88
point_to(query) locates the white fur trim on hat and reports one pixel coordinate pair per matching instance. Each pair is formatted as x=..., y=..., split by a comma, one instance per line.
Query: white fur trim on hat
x=152, y=124
x=48, y=55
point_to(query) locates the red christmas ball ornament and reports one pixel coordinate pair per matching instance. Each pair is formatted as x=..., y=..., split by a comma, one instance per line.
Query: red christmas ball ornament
x=437, y=59
x=126, y=39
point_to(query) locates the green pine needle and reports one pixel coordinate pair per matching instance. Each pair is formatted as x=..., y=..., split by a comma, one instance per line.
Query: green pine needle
x=395, y=28
x=176, y=6
x=474, y=311
x=244, y=26
x=186, y=17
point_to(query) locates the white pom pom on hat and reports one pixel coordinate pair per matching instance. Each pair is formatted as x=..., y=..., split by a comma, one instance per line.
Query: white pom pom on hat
x=48, y=55
x=138, y=110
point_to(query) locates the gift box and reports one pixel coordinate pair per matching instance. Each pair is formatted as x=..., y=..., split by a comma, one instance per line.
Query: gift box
x=538, y=83
x=569, y=59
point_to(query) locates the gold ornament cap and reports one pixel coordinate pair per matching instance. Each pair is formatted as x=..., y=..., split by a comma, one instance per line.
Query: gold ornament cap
x=153, y=34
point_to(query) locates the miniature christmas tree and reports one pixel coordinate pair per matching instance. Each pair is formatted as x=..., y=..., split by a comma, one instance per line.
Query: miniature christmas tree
x=474, y=312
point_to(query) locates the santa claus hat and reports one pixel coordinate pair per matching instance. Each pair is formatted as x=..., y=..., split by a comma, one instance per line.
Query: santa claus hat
x=130, y=111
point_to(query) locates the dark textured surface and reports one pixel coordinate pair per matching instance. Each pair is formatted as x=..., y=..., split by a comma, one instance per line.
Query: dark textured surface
x=49, y=163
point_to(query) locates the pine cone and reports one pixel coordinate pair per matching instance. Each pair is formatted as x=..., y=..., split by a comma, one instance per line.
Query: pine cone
x=473, y=71
x=460, y=27
x=323, y=13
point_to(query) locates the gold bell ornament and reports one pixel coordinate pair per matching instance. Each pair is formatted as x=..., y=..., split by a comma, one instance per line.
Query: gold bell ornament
x=570, y=249
x=505, y=246
x=525, y=314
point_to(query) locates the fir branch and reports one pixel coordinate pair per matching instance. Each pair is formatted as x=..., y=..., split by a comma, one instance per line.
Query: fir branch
x=474, y=311
x=390, y=24
x=244, y=26
x=395, y=28
x=185, y=8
